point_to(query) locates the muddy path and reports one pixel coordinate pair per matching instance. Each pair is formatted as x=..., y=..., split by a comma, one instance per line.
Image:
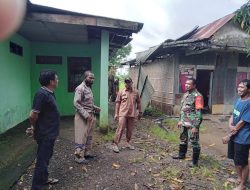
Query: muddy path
x=148, y=167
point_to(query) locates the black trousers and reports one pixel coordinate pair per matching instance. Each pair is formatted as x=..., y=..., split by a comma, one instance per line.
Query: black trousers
x=44, y=153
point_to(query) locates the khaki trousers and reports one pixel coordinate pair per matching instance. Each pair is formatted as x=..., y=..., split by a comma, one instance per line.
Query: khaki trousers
x=83, y=134
x=124, y=123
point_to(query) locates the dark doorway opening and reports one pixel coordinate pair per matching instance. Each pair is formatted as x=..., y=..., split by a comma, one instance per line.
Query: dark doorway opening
x=203, y=81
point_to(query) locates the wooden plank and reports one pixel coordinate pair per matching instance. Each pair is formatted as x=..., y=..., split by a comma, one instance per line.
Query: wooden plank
x=85, y=20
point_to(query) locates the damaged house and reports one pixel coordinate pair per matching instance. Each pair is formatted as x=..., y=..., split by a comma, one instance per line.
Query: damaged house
x=215, y=54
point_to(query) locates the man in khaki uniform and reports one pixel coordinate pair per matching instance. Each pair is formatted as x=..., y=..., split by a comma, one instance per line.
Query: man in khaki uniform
x=127, y=103
x=85, y=119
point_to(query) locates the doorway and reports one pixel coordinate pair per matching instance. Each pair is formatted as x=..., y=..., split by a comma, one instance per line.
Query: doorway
x=204, y=86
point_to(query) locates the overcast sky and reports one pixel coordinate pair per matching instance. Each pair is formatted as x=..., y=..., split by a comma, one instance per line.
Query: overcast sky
x=163, y=19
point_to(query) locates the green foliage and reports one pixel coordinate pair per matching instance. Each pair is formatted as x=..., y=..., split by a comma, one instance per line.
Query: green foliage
x=242, y=16
x=150, y=111
x=171, y=172
x=120, y=55
x=109, y=136
x=171, y=136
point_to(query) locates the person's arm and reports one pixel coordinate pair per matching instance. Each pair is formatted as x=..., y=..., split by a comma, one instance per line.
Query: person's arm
x=38, y=102
x=78, y=106
x=199, y=104
x=97, y=109
x=238, y=126
x=197, y=118
x=138, y=102
x=230, y=122
x=33, y=117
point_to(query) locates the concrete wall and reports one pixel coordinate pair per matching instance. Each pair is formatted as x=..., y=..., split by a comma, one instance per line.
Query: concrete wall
x=14, y=83
x=65, y=98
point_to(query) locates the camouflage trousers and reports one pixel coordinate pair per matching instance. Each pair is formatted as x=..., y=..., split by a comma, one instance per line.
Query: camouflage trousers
x=186, y=135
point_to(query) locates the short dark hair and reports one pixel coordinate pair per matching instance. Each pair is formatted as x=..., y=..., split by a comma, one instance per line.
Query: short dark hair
x=246, y=82
x=87, y=73
x=193, y=80
x=127, y=80
x=46, y=76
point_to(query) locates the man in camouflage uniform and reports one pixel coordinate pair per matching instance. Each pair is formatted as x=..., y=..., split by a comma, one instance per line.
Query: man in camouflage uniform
x=85, y=119
x=190, y=120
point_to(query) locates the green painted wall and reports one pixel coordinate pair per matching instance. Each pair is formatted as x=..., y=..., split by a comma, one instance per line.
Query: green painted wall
x=104, y=78
x=15, y=89
x=64, y=98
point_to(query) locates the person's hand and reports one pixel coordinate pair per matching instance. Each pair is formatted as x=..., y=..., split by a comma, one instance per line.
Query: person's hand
x=194, y=130
x=226, y=139
x=30, y=131
x=179, y=124
x=97, y=109
x=116, y=118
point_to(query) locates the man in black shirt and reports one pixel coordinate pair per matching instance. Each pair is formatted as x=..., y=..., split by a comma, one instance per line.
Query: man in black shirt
x=44, y=119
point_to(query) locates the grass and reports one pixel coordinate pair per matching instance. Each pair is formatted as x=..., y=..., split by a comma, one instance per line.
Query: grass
x=109, y=136
x=150, y=111
x=170, y=172
x=171, y=136
x=136, y=160
x=172, y=123
x=210, y=162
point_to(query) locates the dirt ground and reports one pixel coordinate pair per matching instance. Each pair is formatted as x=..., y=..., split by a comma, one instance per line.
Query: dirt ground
x=148, y=167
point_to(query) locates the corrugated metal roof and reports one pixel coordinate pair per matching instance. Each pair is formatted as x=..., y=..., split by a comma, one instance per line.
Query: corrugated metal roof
x=195, y=35
x=208, y=30
x=143, y=56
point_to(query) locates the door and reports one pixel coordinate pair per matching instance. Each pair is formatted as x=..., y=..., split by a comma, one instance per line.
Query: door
x=204, y=86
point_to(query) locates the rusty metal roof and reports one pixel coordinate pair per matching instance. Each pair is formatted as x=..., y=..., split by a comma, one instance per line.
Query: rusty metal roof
x=208, y=30
x=197, y=34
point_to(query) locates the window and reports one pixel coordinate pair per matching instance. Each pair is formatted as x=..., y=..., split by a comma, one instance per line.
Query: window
x=53, y=60
x=16, y=49
x=76, y=68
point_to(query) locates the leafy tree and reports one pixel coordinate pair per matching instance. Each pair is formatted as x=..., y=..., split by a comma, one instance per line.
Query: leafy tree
x=242, y=16
x=120, y=55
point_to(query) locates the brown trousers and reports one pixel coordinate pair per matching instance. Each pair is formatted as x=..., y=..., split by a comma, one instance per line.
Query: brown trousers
x=124, y=123
x=83, y=134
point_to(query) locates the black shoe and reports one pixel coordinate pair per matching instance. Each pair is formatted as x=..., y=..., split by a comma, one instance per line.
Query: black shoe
x=178, y=157
x=81, y=161
x=196, y=155
x=90, y=157
x=191, y=165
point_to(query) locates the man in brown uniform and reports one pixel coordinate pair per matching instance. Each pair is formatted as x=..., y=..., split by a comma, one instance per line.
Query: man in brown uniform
x=127, y=103
x=85, y=119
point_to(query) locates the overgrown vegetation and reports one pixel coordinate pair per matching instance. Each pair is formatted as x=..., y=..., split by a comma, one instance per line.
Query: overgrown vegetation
x=170, y=136
x=119, y=56
x=109, y=136
x=242, y=16
x=150, y=111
